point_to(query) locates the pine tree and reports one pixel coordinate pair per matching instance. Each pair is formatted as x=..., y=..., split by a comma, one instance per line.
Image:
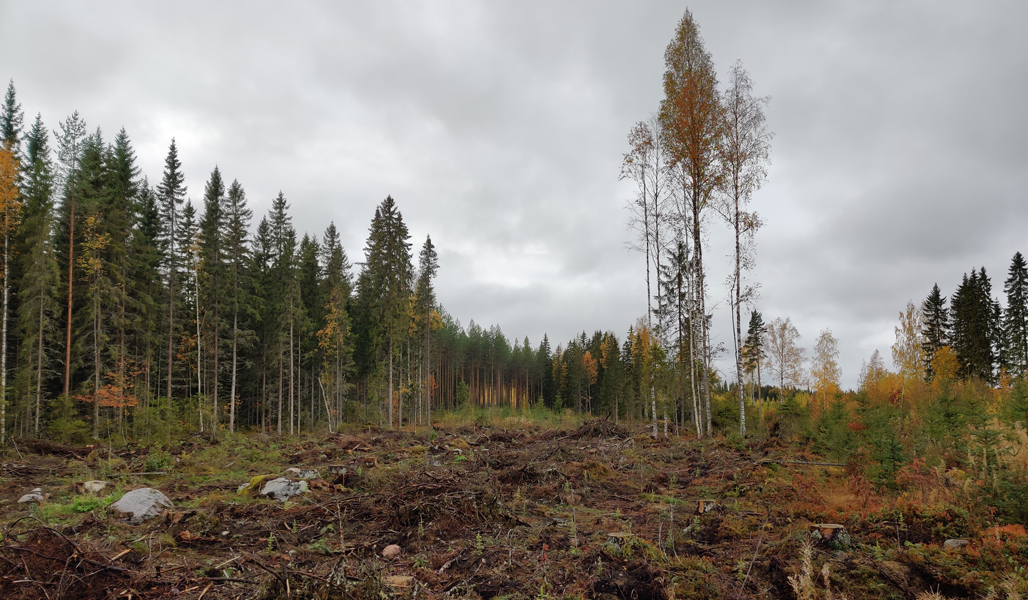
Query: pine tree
x=1015, y=319
x=753, y=354
x=70, y=142
x=936, y=326
x=171, y=193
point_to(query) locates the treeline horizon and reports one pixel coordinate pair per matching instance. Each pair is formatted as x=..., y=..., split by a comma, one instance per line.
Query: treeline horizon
x=258, y=329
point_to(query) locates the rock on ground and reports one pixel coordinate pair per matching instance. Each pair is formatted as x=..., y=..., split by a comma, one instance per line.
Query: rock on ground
x=955, y=544
x=142, y=504
x=283, y=489
x=93, y=487
x=390, y=551
x=302, y=473
x=35, y=495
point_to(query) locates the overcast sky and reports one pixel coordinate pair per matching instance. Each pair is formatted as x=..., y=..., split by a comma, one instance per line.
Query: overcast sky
x=900, y=155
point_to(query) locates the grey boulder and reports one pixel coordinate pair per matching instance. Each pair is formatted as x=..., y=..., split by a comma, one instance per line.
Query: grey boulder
x=142, y=504
x=283, y=489
x=35, y=495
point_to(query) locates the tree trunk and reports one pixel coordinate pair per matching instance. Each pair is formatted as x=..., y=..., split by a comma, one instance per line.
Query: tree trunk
x=3, y=344
x=71, y=280
x=291, y=375
x=232, y=400
x=390, y=384
x=280, y=382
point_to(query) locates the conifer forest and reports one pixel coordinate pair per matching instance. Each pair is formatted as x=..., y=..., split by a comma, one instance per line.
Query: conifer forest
x=314, y=423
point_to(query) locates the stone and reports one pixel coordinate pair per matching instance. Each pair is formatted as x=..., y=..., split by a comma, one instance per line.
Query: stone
x=302, y=473
x=283, y=489
x=391, y=551
x=142, y=504
x=93, y=487
x=337, y=469
x=955, y=544
x=36, y=495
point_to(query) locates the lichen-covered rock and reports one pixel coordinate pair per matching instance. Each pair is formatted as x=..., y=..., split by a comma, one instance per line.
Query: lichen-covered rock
x=390, y=551
x=283, y=489
x=955, y=544
x=255, y=485
x=142, y=504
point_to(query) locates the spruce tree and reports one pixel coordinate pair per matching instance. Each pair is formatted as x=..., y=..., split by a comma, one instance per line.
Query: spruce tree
x=425, y=294
x=171, y=193
x=37, y=307
x=384, y=289
x=282, y=297
x=334, y=336
x=1015, y=319
x=11, y=119
x=236, y=230
x=936, y=326
x=212, y=274
x=976, y=317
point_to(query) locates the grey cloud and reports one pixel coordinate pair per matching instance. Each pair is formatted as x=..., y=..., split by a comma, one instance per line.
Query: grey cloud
x=498, y=127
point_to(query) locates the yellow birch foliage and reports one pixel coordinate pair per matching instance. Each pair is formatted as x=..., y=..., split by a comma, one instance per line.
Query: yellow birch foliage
x=908, y=351
x=10, y=202
x=825, y=371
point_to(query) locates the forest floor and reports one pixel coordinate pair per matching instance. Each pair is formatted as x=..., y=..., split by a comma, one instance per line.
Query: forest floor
x=596, y=510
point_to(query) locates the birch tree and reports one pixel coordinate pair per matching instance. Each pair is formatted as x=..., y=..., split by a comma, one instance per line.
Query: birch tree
x=692, y=122
x=744, y=154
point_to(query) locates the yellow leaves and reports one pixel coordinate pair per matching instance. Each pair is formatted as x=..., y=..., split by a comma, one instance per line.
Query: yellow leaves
x=825, y=371
x=590, y=367
x=92, y=245
x=331, y=336
x=10, y=203
x=944, y=365
x=908, y=351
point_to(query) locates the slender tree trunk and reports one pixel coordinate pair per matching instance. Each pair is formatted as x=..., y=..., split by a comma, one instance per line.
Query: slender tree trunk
x=291, y=376
x=232, y=399
x=39, y=365
x=738, y=314
x=390, y=384
x=280, y=382
x=171, y=307
x=71, y=281
x=3, y=344
x=216, y=346
x=199, y=353
x=96, y=359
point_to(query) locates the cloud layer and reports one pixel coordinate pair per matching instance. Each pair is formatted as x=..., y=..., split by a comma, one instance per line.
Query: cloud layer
x=899, y=158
